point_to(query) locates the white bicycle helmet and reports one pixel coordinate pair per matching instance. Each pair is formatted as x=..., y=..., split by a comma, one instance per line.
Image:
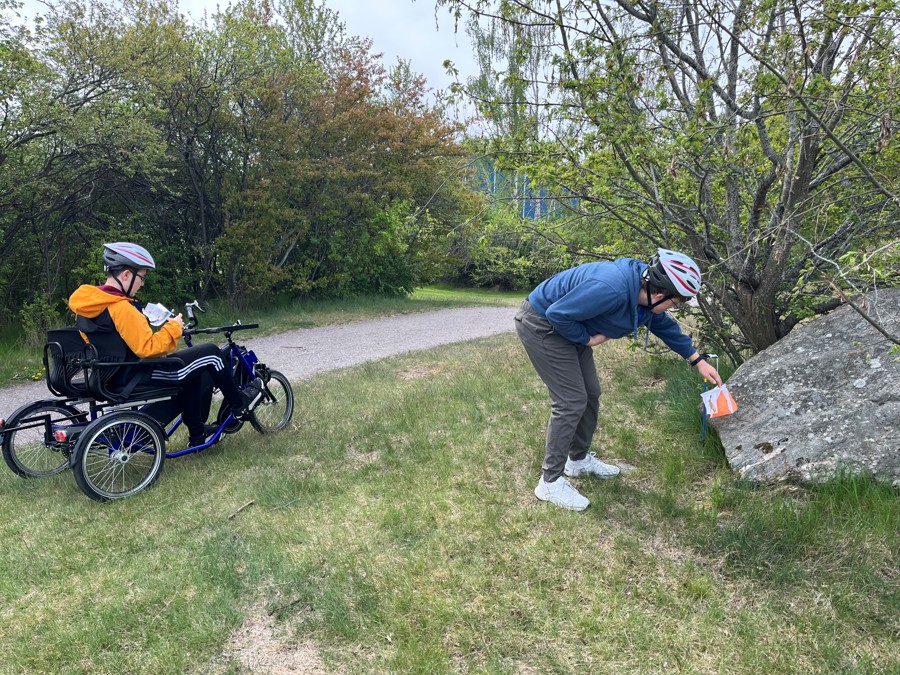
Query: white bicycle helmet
x=125, y=254
x=673, y=273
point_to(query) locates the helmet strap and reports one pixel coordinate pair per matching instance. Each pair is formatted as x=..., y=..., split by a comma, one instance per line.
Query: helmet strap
x=650, y=304
x=119, y=282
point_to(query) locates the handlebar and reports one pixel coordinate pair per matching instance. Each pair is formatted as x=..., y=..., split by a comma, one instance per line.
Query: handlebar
x=220, y=329
x=189, y=308
x=190, y=327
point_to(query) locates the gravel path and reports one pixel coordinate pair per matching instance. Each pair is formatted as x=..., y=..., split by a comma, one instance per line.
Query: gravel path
x=299, y=354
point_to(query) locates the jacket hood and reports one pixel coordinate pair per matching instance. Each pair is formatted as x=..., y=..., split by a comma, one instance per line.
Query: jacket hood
x=90, y=301
x=632, y=270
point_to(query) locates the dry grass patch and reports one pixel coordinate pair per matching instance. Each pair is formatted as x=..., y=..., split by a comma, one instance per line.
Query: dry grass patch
x=261, y=645
x=651, y=383
x=421, y=371
x=358, y=456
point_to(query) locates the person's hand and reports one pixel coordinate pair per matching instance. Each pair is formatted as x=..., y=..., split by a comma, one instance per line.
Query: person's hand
x=596, y=340
x=179, y=320
x=707, y=371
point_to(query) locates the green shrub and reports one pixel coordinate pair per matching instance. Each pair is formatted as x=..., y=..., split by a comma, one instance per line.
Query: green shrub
x=37, y=318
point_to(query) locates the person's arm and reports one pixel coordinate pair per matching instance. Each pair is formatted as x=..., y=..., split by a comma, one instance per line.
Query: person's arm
x=140, y=338
x=583, y=302
x=667, y=329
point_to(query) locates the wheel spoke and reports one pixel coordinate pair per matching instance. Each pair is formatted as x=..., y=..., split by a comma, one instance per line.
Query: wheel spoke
x=25, y=446
x=276, y=409
x=122, y=455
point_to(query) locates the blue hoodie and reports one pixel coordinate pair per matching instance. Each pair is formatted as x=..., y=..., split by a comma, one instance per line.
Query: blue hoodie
x=601, y=298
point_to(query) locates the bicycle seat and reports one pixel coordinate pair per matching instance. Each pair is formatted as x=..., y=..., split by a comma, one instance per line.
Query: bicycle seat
x=63, y=356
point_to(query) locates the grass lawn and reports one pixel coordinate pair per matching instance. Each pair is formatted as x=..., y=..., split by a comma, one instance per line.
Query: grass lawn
x=394, y=529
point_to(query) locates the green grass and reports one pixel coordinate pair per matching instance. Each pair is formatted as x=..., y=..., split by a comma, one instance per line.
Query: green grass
x=394, y=529
x=19, y=363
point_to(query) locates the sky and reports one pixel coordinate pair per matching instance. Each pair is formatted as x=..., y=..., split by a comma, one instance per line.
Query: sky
x=404, y=29
x=410, y=30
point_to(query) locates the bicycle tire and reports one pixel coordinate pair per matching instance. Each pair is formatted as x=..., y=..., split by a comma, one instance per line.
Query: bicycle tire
x=118, y=455
x=31, y=452
x=274, y=411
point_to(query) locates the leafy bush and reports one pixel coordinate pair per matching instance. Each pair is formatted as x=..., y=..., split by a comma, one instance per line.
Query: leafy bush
x=508, y=254
x=384, y=265
x=37, y=318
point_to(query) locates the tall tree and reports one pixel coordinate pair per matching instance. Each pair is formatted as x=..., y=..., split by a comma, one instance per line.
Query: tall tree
x=76, y=144
x=760, y=138
x=339, y=183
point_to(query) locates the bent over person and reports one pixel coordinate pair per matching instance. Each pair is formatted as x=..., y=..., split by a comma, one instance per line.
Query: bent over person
x=580, y=308
x=112, y=309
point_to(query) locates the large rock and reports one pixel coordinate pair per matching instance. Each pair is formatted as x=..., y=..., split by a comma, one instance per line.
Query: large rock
x=824, y=399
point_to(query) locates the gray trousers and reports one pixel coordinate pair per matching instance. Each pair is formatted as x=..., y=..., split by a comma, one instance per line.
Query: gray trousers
x=569, y=372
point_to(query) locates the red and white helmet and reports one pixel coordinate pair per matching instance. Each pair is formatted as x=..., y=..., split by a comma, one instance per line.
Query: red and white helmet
x=125, y=254
x=673, y=273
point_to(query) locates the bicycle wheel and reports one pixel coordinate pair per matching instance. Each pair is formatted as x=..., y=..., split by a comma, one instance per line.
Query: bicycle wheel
x=119, y=455
x=276, y=408
x=29, y=448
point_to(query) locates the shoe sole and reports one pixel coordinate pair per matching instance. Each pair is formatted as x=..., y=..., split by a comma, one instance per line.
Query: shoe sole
x=581, y=474
x=255, y=401
x=562, y=506
x=251, y=405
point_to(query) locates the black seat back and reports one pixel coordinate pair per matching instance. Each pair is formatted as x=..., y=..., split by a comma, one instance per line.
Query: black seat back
x=101, y=332
x=63, y=356
x=114, y=373
x=107, y=347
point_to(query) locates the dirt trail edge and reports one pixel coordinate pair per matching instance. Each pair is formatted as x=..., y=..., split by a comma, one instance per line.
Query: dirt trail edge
x=301, y=353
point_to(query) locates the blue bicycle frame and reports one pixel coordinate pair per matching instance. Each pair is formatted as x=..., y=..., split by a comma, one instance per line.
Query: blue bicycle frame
x=98, y=432
x=239, y=360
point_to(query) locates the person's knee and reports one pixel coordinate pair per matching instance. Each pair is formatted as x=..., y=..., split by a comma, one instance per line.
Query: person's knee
x=571, y=406
x=208, y=349
x=212, y=357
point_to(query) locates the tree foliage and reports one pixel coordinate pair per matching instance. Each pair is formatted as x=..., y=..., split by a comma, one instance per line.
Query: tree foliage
x=262, y=151
x=758, y=137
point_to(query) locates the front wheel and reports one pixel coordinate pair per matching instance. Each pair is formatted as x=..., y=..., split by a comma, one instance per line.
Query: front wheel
x=276, y=408
x=30, y=448
x=119, y=455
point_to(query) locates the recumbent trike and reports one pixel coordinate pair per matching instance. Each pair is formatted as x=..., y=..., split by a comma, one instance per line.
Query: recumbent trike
x=109, y=424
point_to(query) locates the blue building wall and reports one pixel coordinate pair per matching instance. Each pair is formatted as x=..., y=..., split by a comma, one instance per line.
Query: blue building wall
x=532, y=205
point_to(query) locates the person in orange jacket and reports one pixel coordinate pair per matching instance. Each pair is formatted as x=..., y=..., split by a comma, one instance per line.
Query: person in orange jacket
x=112, y=309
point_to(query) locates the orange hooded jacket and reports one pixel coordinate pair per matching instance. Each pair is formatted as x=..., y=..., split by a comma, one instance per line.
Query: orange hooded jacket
x=91, y=301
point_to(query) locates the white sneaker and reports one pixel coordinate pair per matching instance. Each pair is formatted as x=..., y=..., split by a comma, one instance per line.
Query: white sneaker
x=561, y=493
x=591, y=465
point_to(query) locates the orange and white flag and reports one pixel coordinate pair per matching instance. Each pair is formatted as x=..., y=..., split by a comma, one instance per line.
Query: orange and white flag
x=719, y=401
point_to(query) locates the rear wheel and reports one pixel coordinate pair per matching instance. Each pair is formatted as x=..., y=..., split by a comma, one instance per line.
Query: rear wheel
x=276, y=408
x=30, y=448
x=119, y=455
